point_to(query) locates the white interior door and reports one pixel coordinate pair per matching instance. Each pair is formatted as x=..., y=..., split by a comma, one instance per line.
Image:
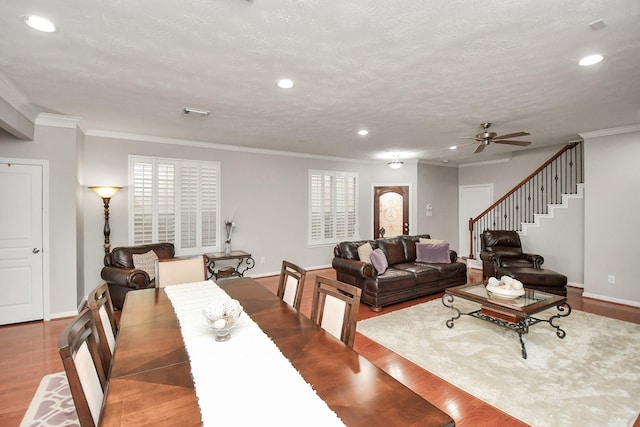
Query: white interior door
x=21, y=262
x=474, y=199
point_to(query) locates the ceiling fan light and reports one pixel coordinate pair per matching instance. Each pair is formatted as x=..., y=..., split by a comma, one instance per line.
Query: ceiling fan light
x=590, y=60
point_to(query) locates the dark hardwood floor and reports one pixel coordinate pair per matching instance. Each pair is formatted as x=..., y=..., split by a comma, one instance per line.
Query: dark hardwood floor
x=28, y=351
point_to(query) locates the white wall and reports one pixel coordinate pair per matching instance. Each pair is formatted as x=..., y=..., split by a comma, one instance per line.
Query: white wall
x=612, y=205
x=58, y=145
x=438, y=186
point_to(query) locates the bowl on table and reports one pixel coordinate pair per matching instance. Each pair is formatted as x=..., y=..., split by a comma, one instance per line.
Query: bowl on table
x=222, y=315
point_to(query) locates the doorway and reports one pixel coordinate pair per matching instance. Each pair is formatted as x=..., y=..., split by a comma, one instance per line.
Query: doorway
x=21, y=242
x=390, y=211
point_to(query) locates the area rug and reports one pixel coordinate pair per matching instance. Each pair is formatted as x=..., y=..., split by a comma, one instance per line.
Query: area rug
x=589, y=378
x=52, y=405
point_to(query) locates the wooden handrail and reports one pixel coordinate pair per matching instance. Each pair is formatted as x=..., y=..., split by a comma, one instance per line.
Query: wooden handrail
x=472, y=221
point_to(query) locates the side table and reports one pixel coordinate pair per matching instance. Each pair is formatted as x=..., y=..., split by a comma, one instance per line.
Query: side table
x=244, y=262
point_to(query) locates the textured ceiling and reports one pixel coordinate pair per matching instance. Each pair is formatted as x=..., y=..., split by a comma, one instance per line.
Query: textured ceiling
x=417, y=74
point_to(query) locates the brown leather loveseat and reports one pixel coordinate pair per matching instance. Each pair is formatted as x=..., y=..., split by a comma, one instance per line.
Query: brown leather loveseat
x=121, y=274
x=405, y=277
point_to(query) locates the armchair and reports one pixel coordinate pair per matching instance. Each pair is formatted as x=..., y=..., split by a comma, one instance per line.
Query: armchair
x=121, y=274
x=502, y=249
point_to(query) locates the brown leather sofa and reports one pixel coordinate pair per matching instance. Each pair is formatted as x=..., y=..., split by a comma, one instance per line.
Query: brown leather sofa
x=404, y=278
x=122, y=276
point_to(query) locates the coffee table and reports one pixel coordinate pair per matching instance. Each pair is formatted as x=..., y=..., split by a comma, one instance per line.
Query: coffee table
x=512, y=313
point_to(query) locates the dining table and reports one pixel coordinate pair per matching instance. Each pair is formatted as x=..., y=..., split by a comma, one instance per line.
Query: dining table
x=151, y=383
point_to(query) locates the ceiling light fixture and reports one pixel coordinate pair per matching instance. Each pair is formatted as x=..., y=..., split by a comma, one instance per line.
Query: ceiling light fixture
x=39, y=23
x=186, y=111
x=285, y=84
x=453, y=147
x=363, y=132
x=590, y=60
x=395, y=164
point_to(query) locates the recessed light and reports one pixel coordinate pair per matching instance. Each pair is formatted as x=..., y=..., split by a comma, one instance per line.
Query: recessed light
x=285, y=84
x=39, y=23
x=363, y=132
x=590, y=60
x=453, y=147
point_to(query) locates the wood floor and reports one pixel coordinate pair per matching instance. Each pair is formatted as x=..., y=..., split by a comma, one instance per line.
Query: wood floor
x=28, y=351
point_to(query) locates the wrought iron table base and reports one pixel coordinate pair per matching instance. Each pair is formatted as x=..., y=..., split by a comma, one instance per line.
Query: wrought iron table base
x=521, y=327
x=248, y=262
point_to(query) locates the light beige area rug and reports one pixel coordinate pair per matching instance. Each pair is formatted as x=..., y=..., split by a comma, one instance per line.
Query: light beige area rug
x=52, y=404
x=589, y=378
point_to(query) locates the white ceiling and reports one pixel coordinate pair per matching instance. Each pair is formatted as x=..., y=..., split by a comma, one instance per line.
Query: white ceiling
x=417, y=74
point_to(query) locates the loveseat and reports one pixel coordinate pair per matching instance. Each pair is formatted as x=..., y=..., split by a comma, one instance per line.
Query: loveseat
x=405, y=276
x=122, y=275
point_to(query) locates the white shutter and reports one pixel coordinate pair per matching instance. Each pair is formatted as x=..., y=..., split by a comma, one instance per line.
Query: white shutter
x=333, y=206
x=174, y=201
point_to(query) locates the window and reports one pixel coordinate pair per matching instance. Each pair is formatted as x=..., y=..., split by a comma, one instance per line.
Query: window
x=333, y=206
x=174, y=201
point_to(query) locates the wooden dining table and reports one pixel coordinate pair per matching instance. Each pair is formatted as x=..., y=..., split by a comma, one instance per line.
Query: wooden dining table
x=151, y=383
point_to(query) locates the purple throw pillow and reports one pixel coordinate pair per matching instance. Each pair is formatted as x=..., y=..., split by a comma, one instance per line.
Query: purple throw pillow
x=379, y=261
x=434, y=253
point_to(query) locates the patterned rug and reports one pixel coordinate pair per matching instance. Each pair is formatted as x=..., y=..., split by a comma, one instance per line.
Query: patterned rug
x=589, y=378
x=52, y=405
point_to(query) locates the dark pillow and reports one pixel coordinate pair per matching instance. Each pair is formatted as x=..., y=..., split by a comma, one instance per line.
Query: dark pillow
x=379, y=261
x=434, y=253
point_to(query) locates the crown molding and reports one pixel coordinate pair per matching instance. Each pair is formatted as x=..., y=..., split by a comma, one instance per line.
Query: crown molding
x=486, y=162
x=214, y=146
x=610, y=131
x=57, y=120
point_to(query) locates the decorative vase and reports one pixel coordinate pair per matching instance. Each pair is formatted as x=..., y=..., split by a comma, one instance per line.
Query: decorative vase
x=227, y=247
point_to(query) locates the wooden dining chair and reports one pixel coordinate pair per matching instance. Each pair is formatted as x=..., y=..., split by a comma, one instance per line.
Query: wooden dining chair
x=81, y=360
x=99, y=302
x=335, y=308
x=291, y=284
x=174, y=271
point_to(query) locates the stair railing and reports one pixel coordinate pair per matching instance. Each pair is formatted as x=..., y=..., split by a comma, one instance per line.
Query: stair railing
x=559, y=175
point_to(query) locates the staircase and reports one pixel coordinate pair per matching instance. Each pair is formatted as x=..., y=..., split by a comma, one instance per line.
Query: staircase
x=536, y=197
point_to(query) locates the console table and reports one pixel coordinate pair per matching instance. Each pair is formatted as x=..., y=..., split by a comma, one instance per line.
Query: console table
x=244, y=262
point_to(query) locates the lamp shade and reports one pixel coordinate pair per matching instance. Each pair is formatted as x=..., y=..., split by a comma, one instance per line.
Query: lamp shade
x=105, y=192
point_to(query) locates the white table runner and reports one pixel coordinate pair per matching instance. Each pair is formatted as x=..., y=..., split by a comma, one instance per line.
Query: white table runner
x=245, y=381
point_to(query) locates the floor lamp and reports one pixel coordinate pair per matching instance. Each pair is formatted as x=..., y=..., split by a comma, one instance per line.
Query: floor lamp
x=106, y=193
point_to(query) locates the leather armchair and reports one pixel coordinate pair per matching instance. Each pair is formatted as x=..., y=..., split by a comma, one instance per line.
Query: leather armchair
x=121, y=275
x=502, y=249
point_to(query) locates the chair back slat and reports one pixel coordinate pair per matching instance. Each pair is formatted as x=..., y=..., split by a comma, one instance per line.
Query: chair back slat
x=174, y=271
x=99, y=302
x=291, y=284
x=335, y=308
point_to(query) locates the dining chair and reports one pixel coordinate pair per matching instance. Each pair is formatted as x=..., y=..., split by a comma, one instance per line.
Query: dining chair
x=291, y=284
x=81, y=360
x=99, y=302
x=335, y=308
x=174, y=271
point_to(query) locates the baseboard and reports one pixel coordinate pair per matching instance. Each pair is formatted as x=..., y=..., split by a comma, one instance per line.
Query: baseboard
x=64, y=314
x=611, y=299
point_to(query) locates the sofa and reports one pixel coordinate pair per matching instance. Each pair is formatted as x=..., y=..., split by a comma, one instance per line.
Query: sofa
x=121, y=273
x=405, y=276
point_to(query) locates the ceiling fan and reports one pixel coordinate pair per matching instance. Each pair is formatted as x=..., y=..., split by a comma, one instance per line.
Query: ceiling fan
x=487, y=137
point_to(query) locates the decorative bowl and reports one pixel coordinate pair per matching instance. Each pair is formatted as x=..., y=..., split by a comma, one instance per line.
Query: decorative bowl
x=506, y=287
x=222, y=315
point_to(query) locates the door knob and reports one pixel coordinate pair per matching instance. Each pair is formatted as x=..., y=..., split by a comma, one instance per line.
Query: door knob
x=35, y=250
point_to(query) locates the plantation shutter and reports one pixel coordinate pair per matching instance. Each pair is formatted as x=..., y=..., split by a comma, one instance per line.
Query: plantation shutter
x=174, y=201
x=333, y=206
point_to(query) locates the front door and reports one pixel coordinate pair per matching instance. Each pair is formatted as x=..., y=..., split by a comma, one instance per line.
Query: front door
x=21, y=262
x=390, y=211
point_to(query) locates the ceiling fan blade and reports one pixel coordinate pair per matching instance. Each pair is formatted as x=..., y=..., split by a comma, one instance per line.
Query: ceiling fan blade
x=521, y=143
x=470, y=137
x=479, y=149
x=512, y=135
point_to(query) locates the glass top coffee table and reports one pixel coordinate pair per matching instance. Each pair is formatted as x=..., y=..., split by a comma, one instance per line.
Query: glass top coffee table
x=512, y=313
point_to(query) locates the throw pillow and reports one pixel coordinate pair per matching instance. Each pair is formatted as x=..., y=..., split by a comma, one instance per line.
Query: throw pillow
x=434, y=253
x=364, y=252
x=379, y=261
x=146, y=262
x=432, y=241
